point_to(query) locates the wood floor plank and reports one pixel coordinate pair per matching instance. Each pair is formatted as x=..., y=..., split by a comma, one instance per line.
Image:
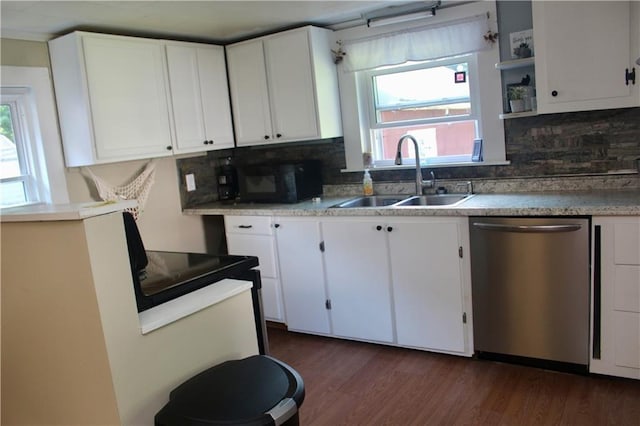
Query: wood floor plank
x=355, y=383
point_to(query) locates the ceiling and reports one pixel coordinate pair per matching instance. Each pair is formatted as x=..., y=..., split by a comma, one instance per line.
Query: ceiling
x=212, y=20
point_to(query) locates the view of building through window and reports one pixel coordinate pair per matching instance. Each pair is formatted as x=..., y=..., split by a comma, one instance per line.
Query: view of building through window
x=432, y=102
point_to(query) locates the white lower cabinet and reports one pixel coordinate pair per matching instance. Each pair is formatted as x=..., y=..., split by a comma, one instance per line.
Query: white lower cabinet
x=357, y=267
x=253, y=236
x=616, y=297
x=400, y=281
x=302, y=275
x=430, y=275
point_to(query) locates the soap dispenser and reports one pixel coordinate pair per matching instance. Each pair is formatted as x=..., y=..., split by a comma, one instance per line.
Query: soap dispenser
x=367, y=183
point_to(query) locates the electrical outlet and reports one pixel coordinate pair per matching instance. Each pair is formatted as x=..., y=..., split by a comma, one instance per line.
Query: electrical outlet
x=191, y=182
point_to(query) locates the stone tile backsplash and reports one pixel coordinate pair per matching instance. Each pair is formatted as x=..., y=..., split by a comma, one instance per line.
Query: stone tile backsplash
x=582, y=150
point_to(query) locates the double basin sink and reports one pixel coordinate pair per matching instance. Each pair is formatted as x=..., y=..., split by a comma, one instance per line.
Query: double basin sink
x=433, y=200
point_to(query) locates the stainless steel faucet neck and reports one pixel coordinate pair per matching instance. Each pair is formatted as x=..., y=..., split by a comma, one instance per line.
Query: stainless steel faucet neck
x=420, y=184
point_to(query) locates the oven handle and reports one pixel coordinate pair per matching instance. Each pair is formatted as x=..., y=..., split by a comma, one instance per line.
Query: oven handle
x=527, y=228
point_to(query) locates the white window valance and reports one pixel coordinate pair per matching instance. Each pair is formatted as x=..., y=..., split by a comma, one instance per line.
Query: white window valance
x=418, y=44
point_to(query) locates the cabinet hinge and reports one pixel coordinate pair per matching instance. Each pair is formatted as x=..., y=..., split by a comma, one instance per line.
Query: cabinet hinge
x=630, y=76
x=327, y=304
x=322, y=246
x=460, y=252
x=464, y=317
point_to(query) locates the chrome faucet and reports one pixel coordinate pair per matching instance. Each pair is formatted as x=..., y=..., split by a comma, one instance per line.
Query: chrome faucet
x=420, y=184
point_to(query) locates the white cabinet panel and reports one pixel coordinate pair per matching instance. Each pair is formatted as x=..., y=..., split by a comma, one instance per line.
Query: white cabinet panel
x=357, y=267
x=284, y=88
x=249, y=93
x=200, y=97
x=112, y=98
x=253, y=236
x=261, y=246
x=290, y=77
x=427, y=284
x=576, y=67
x=302, y=275
x=127, y=98
x=616, y=298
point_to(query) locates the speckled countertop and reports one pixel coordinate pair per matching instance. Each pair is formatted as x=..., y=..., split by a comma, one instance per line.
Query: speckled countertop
x=565, y=203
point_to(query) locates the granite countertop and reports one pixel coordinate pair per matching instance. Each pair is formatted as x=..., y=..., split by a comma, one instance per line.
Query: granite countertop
x=564, y=203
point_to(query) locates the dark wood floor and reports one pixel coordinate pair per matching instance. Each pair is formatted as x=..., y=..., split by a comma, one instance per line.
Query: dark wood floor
x=353, y=383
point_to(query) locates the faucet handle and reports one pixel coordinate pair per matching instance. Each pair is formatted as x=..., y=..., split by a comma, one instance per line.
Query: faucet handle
x=468, y=184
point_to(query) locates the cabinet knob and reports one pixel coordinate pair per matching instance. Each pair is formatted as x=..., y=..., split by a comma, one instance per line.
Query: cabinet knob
x=278, y=135
x=266, y=137
x=169, y=148
x=554, y=93
x=389, y=228
x=276, y=225
x=378, y=228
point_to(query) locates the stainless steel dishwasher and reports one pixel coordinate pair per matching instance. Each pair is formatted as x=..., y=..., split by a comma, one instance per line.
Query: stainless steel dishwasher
x=530, y=290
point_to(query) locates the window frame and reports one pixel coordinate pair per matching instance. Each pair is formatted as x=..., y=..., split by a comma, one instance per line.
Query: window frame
x=20, y=104
x=42, y=125
x=355, y=119
x=368, y=103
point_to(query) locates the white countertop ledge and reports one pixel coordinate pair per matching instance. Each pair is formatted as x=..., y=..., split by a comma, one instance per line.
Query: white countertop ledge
x=173, y=310
x=55, y=212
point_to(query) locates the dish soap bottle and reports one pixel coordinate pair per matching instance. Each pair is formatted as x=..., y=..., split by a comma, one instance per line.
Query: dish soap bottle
x=367, y=183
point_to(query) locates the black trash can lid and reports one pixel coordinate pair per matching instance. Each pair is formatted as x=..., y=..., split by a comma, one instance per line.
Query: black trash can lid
x=234, y=392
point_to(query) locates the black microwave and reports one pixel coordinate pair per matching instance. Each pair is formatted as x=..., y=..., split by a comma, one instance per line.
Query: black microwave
x=280, y=182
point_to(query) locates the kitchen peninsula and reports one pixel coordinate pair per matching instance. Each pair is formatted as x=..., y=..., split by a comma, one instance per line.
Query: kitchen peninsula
x=73, y=349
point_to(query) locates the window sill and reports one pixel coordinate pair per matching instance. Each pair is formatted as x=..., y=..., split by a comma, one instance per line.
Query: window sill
x=430, y=166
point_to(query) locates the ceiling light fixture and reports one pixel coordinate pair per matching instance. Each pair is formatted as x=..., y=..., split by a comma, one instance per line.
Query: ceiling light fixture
x=400, y=14
x=388, y=20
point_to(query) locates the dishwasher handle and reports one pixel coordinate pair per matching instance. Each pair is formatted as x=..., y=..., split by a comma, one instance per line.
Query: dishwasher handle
x=527, y=228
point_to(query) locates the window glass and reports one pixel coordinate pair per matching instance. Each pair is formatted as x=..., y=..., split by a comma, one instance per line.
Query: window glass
x=433, y=101
x=16, y=180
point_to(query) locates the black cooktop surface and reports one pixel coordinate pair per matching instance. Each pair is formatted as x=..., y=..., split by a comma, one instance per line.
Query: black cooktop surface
x=170, y=274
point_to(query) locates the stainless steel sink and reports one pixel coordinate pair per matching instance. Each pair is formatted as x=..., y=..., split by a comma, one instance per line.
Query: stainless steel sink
x=433, y=200
x=371, y=201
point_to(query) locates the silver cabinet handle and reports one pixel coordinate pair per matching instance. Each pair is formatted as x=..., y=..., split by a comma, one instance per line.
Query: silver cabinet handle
x=527, y=228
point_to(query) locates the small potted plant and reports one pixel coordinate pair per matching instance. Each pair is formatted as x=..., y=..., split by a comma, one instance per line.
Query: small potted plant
x=516, y=98
x=522, y=51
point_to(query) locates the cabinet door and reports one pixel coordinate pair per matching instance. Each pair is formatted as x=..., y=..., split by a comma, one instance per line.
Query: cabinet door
x=427, y=284
x=582, y=54
x=201, y=109
x=215, y=97
x=263, y=247
x=249, y=93
x=293, y=110
x=616, y=298
x=126, y=81
x=302, y=275
x=357, y=268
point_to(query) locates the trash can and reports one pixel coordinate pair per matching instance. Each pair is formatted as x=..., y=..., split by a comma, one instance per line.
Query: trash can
x=258, y=390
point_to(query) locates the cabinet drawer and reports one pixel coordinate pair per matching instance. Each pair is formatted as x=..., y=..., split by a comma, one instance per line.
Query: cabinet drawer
x=626, y=288
x=256, y=225
x=627, y=244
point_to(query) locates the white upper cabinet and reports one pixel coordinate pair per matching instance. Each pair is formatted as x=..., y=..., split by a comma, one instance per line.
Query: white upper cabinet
x=249, y=93
x=583, y=53
x=112, y=98
x=200, y=97
x=284, y=88
x=118, y=98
